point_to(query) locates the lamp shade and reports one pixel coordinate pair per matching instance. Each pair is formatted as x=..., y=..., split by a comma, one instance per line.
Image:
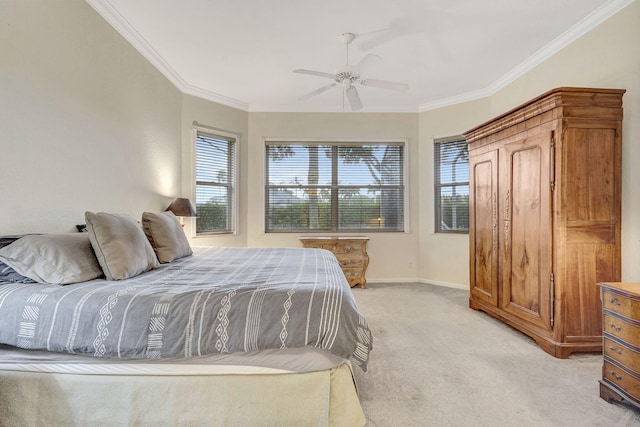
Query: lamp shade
x=182, y=207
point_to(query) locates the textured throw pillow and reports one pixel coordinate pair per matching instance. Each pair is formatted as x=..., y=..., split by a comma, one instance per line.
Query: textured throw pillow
x=53, y=258
x=166, y=236
x=120, y=245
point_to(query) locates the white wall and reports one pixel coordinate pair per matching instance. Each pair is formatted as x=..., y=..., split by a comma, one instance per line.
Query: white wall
x=86, y=123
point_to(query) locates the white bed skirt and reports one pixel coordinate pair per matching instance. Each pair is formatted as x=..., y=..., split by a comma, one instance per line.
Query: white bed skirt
x=321, y=398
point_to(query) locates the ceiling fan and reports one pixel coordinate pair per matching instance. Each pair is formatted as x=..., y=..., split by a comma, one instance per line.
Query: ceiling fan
x=348, y=76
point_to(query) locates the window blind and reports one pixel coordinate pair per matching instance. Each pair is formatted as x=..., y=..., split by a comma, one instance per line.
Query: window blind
x=215, y=183
x=451, y=166
x=313, y=187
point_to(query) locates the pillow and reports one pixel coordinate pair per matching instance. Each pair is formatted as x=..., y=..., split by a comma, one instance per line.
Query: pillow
x=166, y=236
x=53, y=258
x=120, y=245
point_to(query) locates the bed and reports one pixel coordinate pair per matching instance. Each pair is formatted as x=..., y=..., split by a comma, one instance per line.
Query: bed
x=222, y=336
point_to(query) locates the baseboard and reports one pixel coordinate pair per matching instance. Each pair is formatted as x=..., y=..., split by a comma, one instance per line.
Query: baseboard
x=445, y=284
x=421, y=281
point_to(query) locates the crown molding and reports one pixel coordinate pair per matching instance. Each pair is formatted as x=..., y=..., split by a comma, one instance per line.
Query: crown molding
x=585, y=25
x=124, y=28
x=328, y=109
x=581, y=28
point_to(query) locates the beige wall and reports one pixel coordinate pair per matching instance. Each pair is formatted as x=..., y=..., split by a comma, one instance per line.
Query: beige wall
x=609, y=57
x=228, y=120
x=393, y=255
x=86, y=123
x=444, y=258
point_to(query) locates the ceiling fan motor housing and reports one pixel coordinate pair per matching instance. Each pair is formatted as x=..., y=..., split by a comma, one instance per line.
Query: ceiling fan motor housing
x=347, y=78
x=347, y=37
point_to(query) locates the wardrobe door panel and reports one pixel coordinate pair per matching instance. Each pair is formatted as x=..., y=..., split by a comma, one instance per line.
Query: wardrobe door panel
x=483, y=231
x=527, y=231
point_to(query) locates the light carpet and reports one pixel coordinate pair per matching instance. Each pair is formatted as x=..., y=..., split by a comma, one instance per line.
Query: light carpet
x=436, y=362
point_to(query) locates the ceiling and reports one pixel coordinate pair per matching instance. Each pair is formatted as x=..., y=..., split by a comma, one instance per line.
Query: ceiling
x=242, y=53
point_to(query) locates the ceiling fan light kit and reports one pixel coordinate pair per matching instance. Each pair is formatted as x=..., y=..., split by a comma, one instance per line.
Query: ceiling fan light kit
x=348, y=76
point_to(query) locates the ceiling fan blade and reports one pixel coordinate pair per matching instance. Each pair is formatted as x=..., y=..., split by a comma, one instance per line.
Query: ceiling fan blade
x=354, y=98
x=384, y=84
x=366, y=62
x=315, y=73
x=317, y=91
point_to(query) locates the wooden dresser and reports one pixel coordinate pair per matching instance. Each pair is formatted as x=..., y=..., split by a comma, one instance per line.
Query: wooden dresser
x=350, y=251
x=621, y=342
x=544, y=215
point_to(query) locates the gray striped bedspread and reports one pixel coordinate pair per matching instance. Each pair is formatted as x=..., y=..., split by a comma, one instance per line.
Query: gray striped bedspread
x=220, y=300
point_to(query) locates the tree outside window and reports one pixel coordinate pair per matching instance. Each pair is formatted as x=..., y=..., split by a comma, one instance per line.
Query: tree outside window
x=334, y=187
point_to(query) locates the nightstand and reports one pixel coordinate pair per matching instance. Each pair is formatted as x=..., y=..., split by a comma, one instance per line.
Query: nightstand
x=621, y=346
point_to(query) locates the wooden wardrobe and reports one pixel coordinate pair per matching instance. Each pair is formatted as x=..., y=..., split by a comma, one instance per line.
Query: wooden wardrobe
x=544, y=208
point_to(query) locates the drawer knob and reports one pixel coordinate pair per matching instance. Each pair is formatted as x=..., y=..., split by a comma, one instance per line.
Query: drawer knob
x=613, y=300
x=615, y=350
x=614, y=327
x=615, y=376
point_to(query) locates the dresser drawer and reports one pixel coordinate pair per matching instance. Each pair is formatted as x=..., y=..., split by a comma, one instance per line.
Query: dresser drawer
x=621, y=379
x=622, y=354
x=346, y=261
x=352, y=273
x=622, y=329
x=620, y=304
x=320, y=245
x=337, y=247
x=349, y=248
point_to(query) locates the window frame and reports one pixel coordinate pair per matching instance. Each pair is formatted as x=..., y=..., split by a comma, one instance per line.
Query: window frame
x=437, y=185
x=231, y=138
x=337, y=142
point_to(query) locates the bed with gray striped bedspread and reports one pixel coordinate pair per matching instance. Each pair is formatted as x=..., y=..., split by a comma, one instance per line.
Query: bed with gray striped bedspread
x=220, y=300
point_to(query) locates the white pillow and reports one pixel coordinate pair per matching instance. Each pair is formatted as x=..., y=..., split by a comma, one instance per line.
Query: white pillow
x=53, y=258
x=166, y=236
x=120, y=245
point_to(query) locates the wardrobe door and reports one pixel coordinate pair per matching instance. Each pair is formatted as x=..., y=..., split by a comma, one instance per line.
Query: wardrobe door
x=483, y=233
x=526, y=231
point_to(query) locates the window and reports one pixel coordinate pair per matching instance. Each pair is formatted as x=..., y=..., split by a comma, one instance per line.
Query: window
x=321, y=186
x=451, y=179
x=215, y=182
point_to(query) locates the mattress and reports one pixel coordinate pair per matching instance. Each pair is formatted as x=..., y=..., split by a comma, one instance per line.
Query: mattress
x=296, y=360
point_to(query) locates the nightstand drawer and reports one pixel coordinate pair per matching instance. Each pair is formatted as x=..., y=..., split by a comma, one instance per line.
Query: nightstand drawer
x=621, y=353
x=619, y=304
x=621, y=378
x=622, y=329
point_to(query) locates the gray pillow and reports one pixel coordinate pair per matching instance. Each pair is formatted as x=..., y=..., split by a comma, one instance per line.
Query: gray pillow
x=166, y=236
x=120, y=245
x=53, y=258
